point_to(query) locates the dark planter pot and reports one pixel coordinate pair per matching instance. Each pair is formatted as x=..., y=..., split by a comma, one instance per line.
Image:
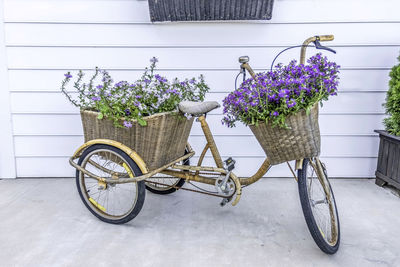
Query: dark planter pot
x=388, y=169
x=205, y=10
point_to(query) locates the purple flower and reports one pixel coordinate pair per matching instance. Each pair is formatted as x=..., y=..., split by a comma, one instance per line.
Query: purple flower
x=96, y=98
x=286, y=87
x=147, y=81
x=153, y=60
x=127, y=112
x=172, y=91
x=290, y=103
x=68, y=75
x=160, y=78
x=99, y=86
x=283, y=93
x=272, y=97
x=121, y=84
x=128, y=124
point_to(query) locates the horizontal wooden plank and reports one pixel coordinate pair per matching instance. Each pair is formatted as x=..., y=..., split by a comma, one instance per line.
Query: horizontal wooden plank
x=56, y=103
x=33, y=124
x=174, y=34
x=181, y=58
x=218, y=80
x=337, y=167
x=237, y=146
x=137, y=11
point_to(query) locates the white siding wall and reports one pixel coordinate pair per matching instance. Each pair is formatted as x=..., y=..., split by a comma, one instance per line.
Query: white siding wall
x=7, y=159
x=46, y=38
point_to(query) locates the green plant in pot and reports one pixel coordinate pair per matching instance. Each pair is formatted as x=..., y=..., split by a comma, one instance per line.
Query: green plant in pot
x=388, y=169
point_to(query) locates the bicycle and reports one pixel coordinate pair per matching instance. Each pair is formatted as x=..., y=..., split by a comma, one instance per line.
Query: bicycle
x=108, y=171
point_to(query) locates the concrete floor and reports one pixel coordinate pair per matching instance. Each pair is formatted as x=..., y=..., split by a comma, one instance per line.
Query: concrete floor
x=44, y=223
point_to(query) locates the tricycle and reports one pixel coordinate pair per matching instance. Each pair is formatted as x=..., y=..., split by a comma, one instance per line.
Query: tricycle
x=112, y=178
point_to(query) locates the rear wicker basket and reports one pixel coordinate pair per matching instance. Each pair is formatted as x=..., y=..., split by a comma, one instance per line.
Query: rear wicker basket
x=302, y=140
x=160, y=142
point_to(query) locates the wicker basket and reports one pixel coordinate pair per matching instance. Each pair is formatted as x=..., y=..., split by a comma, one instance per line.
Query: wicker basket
x=203, y=10
x=302, y=140
x=163, y=139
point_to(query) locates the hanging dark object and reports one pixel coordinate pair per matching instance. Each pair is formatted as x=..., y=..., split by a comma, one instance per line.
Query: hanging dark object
x=206, y=10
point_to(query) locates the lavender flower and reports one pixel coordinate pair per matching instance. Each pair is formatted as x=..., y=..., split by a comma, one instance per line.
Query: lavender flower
x=128, y=124
x=150, y=94
x=153, y=60
x=291, y=103
x=160, y=78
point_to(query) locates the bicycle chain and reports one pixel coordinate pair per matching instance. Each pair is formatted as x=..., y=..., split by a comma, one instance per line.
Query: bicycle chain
x=191, y=190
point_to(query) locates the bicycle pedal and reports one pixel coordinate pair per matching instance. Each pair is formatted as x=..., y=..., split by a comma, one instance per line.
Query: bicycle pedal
x=229, y=163
x=224, y=202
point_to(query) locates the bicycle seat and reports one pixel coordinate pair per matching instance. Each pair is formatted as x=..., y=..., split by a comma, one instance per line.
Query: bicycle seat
x=197, y=108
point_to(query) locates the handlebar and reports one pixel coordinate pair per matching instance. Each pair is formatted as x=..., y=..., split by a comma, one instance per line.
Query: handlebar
x=244, y=65
x=315, y=39
x=325, y=38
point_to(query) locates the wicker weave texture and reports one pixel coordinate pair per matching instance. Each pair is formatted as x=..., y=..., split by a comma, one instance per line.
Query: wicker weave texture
x=203, y=10
x=302, y=140
x=160, y=142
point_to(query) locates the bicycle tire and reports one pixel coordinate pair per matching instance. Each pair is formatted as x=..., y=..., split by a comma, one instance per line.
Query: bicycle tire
x=319, y=236
x=109, y=154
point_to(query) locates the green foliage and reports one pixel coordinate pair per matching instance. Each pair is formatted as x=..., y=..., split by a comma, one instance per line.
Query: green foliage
x=123, y=102
x=392, y=105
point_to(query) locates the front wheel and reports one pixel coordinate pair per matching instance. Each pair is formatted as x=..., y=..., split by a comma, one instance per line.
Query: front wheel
x=319, y=206
x=111, y=203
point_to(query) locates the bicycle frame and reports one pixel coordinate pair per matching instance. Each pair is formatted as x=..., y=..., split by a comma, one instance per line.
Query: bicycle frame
x=210, y=145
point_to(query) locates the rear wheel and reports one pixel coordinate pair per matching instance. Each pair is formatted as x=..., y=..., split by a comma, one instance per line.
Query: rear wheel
x=319, y=206
x=111, y=203
x=164, y=184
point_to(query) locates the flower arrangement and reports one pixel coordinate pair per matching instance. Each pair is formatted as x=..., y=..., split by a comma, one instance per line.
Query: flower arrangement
x=392, y=105
x=123, y=102
x=273, y=96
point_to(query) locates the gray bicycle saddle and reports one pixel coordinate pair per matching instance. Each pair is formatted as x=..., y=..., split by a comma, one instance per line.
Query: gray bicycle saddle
x=197, y=108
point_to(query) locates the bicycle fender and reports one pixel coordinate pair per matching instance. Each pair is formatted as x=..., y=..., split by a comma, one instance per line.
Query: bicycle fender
x=299, y=164
x=131, y=153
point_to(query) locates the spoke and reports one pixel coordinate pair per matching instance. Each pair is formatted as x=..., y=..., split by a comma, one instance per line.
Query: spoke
x=322, y=207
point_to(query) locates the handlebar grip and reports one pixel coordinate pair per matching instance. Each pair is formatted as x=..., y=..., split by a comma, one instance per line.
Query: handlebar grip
x=324, y=38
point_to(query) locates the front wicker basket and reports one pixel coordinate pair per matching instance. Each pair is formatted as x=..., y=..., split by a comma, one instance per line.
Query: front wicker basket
x=302, y=140
x=160, y=142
